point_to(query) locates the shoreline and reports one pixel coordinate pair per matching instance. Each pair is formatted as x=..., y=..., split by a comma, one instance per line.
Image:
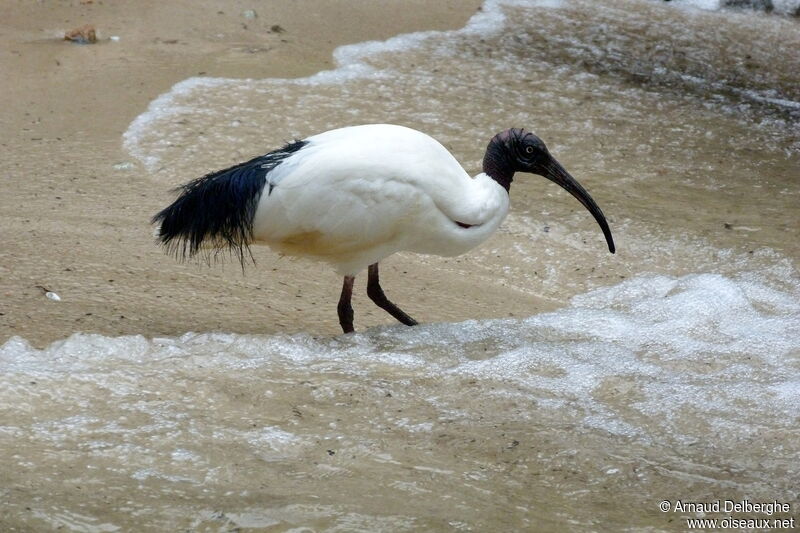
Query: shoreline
x=78, y=226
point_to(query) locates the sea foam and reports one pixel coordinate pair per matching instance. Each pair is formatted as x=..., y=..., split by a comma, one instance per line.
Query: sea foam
x=782, y=7
x=725, y=346
x=350, y=61
x=205, y=116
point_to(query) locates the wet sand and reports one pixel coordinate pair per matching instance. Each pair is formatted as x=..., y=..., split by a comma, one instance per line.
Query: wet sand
x=680, y=383
x=76, y=225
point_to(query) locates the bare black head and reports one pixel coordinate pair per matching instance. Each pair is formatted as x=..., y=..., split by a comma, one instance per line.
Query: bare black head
x=517, y=150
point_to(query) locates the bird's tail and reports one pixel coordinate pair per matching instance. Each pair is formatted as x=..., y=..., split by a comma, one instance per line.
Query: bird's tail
x=215, y=213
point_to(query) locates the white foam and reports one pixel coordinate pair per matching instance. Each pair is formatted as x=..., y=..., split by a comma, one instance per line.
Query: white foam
x=761, y=97
x=787, y=7
x=783, y=7
x=695, y=375
x=674, y=340
x=70, y=520
x=351, y=63
x=708, y=5
x=165, y=105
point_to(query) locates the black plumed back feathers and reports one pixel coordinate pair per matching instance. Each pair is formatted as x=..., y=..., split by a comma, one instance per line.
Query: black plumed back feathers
x=218, y=209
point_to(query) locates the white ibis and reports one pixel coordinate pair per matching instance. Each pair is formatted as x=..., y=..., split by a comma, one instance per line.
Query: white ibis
x=353, y=196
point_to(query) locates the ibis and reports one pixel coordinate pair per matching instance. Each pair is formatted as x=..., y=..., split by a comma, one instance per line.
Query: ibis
x=356, y=195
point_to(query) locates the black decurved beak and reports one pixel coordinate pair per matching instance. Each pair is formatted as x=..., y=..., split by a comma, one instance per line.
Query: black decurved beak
x=557, y=174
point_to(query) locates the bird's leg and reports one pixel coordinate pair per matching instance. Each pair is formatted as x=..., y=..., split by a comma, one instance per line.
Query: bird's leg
x=345, y=308
x=376, y=294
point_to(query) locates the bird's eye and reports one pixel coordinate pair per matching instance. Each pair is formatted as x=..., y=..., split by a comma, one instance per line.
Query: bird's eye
x=529, y=149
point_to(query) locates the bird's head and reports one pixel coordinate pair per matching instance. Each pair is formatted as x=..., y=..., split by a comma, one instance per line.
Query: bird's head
x=517, y=150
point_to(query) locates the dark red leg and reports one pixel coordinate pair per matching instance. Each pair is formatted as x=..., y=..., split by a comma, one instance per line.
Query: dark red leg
x=345, y=308
x=375, y=293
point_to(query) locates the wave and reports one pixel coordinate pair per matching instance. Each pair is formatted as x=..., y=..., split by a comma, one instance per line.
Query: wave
x=350, y=61
x=726, y=346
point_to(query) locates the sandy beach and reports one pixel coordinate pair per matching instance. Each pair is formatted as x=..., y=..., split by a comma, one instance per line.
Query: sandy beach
x=77, y=226
x=550, y=384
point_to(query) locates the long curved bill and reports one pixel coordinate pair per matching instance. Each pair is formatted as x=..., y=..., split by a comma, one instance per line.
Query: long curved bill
x=557, y=174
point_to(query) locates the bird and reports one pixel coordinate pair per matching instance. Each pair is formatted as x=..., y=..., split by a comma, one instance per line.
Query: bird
x=352, y=196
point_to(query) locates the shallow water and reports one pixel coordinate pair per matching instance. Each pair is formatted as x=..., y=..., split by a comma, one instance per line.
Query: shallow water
x=480, y=425
x=670, y=371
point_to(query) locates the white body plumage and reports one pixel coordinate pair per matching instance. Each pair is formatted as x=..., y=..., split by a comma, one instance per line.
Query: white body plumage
x=353, y=196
